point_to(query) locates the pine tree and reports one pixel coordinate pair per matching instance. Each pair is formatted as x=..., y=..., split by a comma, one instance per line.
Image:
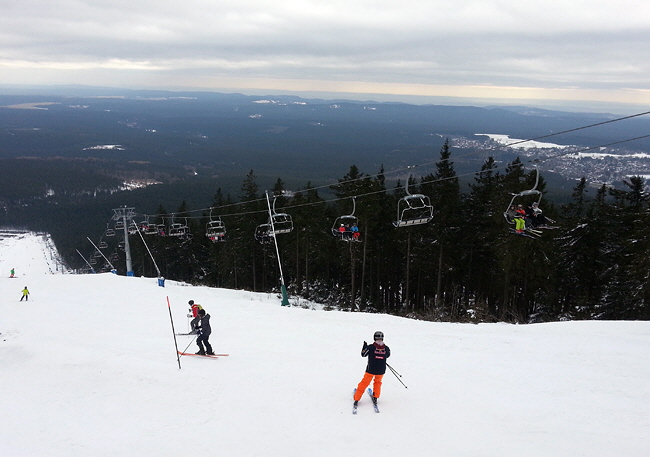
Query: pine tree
x=484, y=231
x=435, y=253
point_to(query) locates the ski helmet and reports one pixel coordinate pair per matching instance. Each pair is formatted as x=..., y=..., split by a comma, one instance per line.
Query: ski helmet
x=379, y=335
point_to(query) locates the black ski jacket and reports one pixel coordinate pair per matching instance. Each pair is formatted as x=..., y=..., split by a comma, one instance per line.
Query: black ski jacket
x=377, y=356
x=204, y=325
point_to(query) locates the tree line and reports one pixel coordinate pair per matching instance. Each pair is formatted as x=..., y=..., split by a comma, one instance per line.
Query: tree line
x=465, y=265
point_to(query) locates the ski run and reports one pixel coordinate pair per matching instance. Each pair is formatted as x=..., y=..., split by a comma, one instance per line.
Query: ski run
x=89, y=368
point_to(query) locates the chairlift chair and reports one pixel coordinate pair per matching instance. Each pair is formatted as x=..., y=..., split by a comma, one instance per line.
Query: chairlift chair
x=103, y=245
x=413, y=209
x=110, y=232
x=282, y=223
x=346, y=228
x=150, y=229
x=509, y=213
x=216, y=231
x=264, y=233
x=177, y=229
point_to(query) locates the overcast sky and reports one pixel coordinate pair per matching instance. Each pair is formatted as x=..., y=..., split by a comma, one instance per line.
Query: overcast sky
x=596, y=50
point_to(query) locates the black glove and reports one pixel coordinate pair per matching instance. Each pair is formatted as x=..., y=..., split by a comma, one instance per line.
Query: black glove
x=365, y=345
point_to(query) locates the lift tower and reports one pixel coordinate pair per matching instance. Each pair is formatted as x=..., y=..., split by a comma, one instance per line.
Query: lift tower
x=125, y=215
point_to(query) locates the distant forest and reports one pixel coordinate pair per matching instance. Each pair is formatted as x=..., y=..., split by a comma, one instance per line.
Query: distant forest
x=465, y=265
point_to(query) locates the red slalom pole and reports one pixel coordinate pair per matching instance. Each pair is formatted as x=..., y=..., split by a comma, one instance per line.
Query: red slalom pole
x=178, y=356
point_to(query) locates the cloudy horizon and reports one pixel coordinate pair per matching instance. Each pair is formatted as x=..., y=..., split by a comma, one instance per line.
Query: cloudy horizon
x=495, y=49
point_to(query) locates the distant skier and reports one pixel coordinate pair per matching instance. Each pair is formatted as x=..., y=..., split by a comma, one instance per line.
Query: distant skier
x=25, y=294
x=377, y=354
x=195, y=307
x=12, y=273
x=204, y=334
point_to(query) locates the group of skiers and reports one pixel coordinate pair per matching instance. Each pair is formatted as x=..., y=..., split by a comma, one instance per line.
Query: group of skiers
x=349, y=232
x=377, y=352
x=25, y=291
x=200, y=325
x=530, y=217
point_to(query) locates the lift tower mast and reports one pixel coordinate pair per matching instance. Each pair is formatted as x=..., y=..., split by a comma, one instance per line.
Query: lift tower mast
x=125, y=215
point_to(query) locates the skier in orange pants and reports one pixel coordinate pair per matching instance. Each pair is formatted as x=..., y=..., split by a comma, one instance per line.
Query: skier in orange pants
x=377, y=354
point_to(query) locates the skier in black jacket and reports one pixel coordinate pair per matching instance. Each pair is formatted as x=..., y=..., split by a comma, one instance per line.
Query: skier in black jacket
x=377, y=354
x=204, y=334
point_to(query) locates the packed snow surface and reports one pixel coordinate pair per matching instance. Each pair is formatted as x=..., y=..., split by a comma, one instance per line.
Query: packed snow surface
x=89, y=368
x=519, y=143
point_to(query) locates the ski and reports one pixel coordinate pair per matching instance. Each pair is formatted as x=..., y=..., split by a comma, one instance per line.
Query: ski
x=534, y=236
x=374, y=400
x=209, y=356
x=354, y=406
x=185, y=334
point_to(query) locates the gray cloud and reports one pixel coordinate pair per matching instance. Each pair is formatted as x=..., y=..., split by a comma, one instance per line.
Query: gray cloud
x=547, y=45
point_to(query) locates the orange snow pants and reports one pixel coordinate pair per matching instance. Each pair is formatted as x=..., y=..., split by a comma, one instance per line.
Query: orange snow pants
x=365, y=382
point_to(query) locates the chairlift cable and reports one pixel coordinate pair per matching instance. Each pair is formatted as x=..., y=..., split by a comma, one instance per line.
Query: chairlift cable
x=409, y=167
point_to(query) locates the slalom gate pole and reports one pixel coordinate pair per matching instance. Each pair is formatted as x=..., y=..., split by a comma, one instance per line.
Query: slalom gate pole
x=397, y=375
x=178, y=356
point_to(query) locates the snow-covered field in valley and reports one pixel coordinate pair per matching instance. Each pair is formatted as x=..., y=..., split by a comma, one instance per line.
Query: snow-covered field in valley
x=89, y=368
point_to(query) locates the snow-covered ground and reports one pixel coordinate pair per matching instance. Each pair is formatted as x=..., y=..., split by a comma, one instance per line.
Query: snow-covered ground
x=521, y=144
x=88, y=367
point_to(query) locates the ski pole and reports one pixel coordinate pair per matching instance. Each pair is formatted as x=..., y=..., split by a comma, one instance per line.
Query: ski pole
x=393, y=370
x=190, y=343
x=397, y=375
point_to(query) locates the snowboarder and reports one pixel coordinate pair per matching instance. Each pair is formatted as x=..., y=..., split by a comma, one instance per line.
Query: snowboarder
x=195, y=307
x=377, y=354
x=204, y=334
x=25, y=294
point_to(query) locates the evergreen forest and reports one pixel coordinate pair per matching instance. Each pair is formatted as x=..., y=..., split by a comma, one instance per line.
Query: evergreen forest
x=465, y=265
